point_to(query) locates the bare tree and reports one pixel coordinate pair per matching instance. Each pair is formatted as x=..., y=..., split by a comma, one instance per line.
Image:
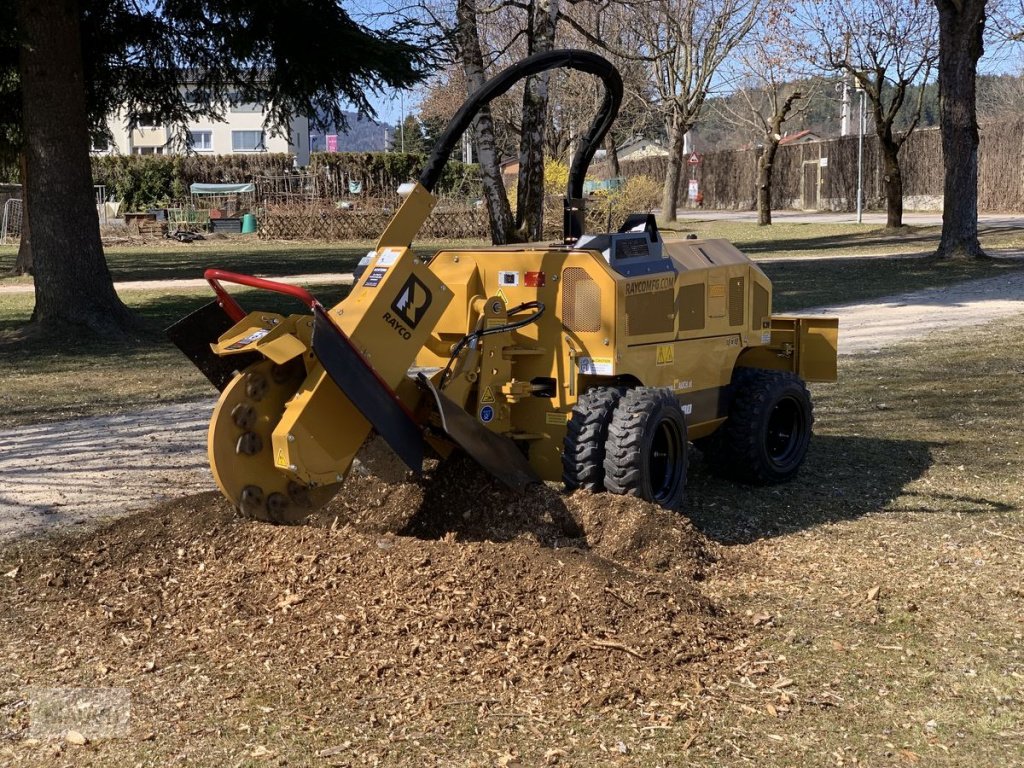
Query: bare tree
x=542, y=18
x=495, y=197
x=886, y=46
x=961, y=30
x=683, y=45
x=767, y=97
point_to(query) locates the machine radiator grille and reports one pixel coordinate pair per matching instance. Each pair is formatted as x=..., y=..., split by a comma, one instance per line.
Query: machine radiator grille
x=690, y=307
x=581, y=301
x=648, y=313
x=737, y=299
x=761, y=311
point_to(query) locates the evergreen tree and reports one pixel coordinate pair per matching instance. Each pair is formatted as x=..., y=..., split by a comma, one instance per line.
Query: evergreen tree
x=70, y=64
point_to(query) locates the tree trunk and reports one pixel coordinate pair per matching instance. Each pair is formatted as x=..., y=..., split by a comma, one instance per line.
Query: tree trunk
x=498, y=210
x=961, y=25
x=674, y=171
x=613, y=155
x=23, y=263
x=530, y=190
x=893, y=182
x=73, y=286
x=765, y=166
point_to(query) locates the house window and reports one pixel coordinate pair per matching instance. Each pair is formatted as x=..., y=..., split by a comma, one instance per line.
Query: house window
x=148, y=150
x=247, y=141
x=100, y=143
x=237, y=105
x=201, y=141
x=147, y=121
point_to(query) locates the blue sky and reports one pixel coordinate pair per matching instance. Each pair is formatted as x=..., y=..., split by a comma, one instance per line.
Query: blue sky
x=998, y=59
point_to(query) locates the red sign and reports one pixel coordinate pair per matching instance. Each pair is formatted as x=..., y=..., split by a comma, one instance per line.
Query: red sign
x=332, y=142
x=694, y=159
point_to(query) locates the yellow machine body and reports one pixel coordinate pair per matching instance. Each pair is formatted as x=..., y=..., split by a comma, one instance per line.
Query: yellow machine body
x=684, y=322
x=686, y=329
x=595, y=361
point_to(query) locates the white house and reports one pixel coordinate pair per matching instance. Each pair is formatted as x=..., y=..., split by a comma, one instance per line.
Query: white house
x=240, y=131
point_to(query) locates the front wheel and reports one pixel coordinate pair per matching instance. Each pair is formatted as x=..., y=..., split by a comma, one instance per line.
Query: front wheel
x=765, y=439
x=646, y=451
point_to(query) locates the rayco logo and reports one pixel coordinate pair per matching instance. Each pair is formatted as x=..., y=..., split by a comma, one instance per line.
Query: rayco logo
x=409, y=307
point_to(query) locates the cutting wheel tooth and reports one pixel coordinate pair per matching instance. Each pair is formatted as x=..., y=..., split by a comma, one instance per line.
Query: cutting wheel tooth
x=252, y=501
x=244, y=416
x=249, y=444
x=299, y=494
x=282, y=374
x=277, y=505
x=256, y=387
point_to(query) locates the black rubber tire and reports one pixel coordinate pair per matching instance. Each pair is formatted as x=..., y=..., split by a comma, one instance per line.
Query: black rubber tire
x=764, y=441
x=647, y=450
x=586, y=434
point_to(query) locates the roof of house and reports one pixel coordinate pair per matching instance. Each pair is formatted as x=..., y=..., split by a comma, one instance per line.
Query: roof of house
x=798, y=137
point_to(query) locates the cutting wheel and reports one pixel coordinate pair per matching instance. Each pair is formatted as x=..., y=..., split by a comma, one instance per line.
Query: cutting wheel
x=240, y=451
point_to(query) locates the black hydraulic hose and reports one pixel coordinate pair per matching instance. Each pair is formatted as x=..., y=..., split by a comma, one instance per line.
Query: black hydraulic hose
x=584, y=61
x=479, y=334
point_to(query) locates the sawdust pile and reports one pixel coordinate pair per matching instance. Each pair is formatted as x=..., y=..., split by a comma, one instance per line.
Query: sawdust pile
x=459, y=500
x=450, y=591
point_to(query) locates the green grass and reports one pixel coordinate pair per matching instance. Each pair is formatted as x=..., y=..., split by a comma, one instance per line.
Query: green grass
x=802, y=283
x=791, y=239
x=50, y=379
x=170, y=260
x=913, y=486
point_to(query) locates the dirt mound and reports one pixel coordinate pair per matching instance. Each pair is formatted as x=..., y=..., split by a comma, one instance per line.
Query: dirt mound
x=550, y=607
x=459, y=499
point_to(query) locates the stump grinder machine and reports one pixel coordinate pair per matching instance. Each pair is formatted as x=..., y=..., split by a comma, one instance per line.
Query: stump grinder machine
x=595, y=361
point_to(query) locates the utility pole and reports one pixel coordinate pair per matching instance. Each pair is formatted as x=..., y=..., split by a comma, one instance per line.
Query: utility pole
x=402, y=126
x=845, y=127
x=860, y=156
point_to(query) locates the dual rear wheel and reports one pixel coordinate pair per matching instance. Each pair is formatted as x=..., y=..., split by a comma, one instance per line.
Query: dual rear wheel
x=634, y=441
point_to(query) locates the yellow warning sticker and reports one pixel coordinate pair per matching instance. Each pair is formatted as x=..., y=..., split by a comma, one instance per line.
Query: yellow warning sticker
x=488, y=395
x=716, y=290
x=281, y=460
x=556, y=419
x=502, y=296
x=666, y=354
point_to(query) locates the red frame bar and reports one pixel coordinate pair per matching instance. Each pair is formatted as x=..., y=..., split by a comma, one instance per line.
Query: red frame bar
x=233, y=309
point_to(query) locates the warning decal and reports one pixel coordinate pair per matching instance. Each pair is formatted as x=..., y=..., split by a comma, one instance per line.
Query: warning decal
x=488, y=395
x=666, y=354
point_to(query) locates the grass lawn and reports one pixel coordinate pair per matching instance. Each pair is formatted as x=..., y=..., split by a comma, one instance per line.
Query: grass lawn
x=168, y=259
x=885, y=583
x=880, y=590
x=791, y=240
x=52, y=379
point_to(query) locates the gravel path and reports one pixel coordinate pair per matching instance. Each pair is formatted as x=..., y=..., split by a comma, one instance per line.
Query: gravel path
x=70, y=473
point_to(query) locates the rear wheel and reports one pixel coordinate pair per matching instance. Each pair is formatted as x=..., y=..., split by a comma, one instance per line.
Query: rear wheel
x=646, y=450
x=765, y=439
x=585, y=437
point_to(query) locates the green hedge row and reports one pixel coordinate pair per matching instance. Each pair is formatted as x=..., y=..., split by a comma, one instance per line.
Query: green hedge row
x=381, y=173
x=146, y=181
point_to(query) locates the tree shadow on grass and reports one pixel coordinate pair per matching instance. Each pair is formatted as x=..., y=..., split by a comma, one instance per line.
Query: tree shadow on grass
x=843, y=479
x=53, y=350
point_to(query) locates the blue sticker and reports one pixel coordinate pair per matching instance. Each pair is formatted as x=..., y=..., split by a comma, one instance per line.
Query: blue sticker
x=486, y=414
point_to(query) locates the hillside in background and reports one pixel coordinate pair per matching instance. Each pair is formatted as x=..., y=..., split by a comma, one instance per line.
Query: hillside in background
x=362, y=135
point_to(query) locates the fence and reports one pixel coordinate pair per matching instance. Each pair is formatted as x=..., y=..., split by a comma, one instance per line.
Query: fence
x=10, y=225
x=822, y=175
x=325, y=221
